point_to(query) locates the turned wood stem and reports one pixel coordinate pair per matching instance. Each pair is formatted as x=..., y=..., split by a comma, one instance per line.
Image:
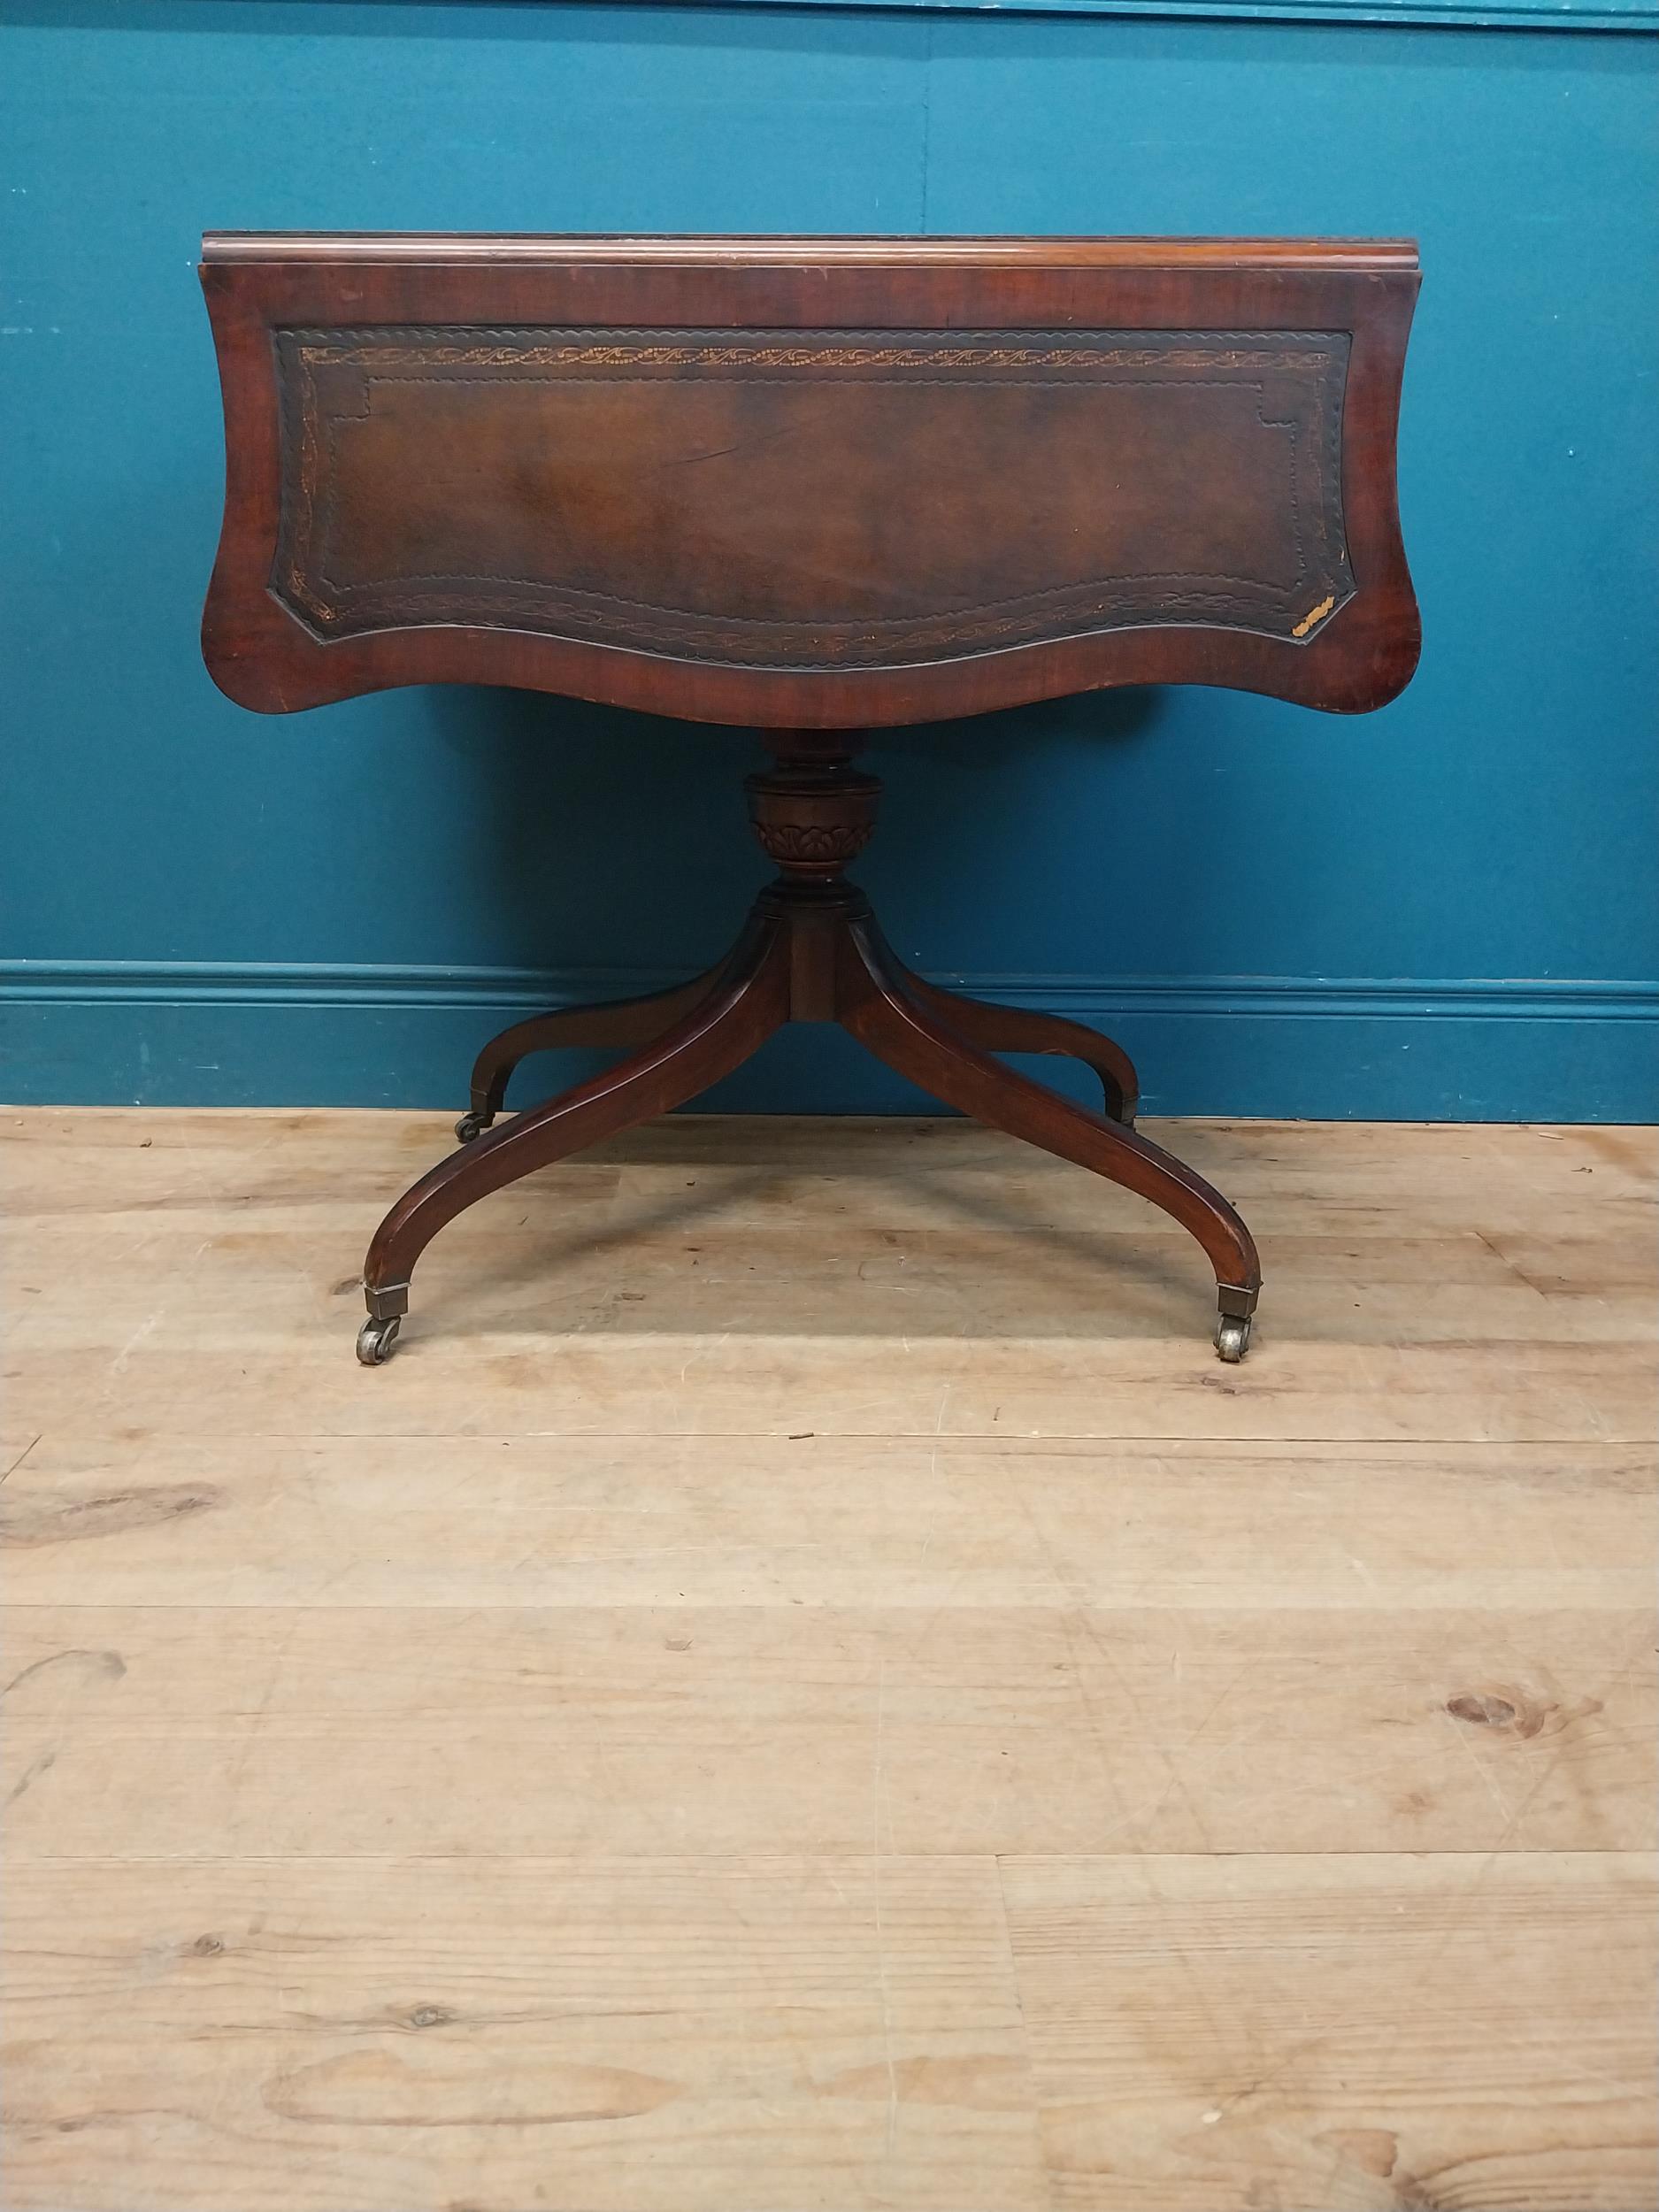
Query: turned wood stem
x=813, y=810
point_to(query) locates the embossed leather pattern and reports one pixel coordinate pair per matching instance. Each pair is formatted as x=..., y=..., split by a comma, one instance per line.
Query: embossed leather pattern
x=633, y=487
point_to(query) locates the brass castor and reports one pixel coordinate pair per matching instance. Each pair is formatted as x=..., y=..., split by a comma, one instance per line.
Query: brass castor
x=473, y=1124
x=1232, y=1337
x=376, y=1339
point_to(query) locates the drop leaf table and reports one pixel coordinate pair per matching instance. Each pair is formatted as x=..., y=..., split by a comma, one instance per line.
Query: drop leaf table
x=816, y=487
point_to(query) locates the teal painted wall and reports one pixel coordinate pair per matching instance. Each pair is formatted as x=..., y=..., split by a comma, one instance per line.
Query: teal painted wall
x=1448, y=908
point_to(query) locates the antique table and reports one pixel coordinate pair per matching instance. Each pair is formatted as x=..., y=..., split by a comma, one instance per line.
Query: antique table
x=818, y=485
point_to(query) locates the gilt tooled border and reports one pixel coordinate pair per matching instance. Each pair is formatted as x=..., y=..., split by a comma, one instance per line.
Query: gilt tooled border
x=1098, y=604
x=442, y=345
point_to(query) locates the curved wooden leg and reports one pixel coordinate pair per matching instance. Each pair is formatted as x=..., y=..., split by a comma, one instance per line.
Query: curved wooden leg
x=749, y=999
x=1019, y=1029
x=909, y=1037
x=617, y=1021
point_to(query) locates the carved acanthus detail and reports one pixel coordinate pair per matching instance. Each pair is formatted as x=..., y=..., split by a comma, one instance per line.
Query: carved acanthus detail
x=813, y=819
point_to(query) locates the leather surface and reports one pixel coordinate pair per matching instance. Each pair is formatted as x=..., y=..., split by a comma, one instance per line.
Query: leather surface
x=802, y=499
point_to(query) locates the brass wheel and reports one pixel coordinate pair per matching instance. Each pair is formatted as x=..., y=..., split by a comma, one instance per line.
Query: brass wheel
x=1233, y=1338
x=375, y=1339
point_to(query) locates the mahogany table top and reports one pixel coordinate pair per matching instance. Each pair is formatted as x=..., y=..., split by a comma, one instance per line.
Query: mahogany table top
x=811, y=483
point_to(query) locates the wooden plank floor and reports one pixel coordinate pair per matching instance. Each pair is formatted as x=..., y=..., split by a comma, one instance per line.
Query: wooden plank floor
x=805, y=1686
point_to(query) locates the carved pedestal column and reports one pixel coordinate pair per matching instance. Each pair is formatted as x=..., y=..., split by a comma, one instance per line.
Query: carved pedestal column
x=814, y=813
